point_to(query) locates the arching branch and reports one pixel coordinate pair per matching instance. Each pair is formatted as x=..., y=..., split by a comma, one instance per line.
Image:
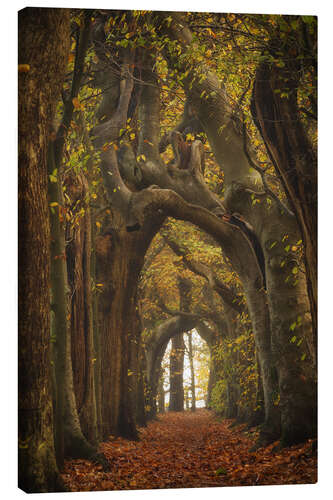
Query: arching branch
x=235, y=245
x=201, y=269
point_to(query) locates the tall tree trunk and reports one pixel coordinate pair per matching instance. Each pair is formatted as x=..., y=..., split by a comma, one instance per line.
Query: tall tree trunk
x=161, y=394
x=140, y=386
x=69, y=435
x=258, y=416
x=59, y=303
x=120, y=259
x=97, y=340
x=75, y=441
x=78, y=252
x=294, y=157
x=176, y=373
x=76, y=445
x=43, y=52
x=190, y=357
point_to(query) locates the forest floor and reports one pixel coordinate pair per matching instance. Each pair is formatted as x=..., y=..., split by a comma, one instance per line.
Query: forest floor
x=192, y=450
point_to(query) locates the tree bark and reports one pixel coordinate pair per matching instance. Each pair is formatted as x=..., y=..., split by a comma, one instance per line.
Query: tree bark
x=176, y=402
x=161, y=395
x=120, y=257
x=190, y=357
x=70, y=440
x=78, y=252
x=295, y=160
x=59, y=304
x=43, y=50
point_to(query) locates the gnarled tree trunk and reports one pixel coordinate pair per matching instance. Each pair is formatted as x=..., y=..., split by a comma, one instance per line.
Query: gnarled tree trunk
x=120, y=256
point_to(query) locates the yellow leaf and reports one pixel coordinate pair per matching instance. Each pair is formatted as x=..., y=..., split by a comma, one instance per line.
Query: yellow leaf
x=76, y=103
x=54, y=204
x=23, y=68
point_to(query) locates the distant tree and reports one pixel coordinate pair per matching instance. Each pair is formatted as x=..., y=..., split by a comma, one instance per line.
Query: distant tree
x=176, y=371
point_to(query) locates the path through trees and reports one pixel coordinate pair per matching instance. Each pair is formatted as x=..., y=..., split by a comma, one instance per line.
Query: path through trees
x=184, y=450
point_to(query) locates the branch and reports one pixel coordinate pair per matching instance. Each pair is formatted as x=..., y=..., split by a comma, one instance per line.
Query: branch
x=174, y=312
x=150, y=257
x=108, y=131
x=267, y=191
x=227, y=295
x=235, y=244
x=149, y=113
x=81, y=49
x=103, y=137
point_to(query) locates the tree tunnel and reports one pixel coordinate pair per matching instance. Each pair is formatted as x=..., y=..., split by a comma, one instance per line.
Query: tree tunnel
x=155, y=349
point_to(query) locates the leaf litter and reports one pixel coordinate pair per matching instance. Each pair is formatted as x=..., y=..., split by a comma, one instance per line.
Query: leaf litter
x=192, y=450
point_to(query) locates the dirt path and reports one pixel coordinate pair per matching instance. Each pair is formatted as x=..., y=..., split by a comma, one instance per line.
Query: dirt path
x=184, y=450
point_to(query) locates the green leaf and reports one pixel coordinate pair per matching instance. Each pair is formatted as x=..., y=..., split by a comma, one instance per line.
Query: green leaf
x=221, y=471
x=294, y=338
x=308, y=19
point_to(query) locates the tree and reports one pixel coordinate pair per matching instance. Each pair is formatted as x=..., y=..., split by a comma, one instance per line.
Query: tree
x=41, y=74
x=242, y=185
x=284, y=113
x=70, y=440
x=190, y=356
x=136, y=210
x=176, y=370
